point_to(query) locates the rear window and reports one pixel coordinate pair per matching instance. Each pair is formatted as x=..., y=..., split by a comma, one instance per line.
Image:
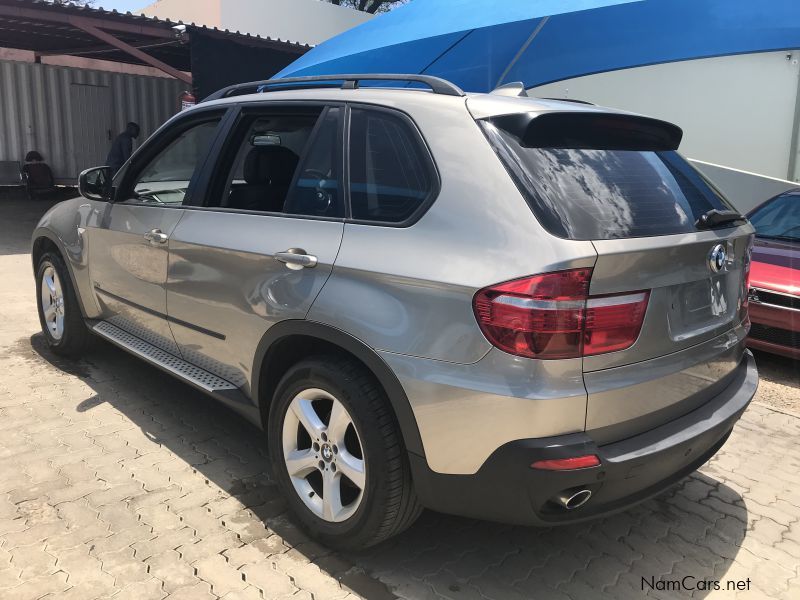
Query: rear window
x=593, y=188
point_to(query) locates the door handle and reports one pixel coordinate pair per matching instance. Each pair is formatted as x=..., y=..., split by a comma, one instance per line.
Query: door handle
x=296, y=258
x=156, y=236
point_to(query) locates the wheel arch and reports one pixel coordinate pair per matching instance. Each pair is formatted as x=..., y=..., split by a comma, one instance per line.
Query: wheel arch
x=45, y=241
x=289, y=341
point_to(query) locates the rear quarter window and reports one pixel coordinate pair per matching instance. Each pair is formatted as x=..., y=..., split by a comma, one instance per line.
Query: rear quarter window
x=391, y=175
x=582, y=190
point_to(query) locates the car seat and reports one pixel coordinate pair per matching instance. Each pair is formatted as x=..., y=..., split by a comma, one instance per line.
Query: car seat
x=268, y=173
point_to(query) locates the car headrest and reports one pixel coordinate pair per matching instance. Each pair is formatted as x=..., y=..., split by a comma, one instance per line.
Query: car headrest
x=273, y=165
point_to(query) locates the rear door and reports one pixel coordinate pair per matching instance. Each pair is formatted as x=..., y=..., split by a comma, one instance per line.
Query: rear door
x=616, y=180
x=264, y=242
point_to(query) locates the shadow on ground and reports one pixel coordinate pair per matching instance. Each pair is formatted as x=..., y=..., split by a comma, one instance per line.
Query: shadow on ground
x=24, y=214
x=695, y=529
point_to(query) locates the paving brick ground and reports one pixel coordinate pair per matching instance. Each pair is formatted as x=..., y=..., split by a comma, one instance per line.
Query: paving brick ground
x=117, y=481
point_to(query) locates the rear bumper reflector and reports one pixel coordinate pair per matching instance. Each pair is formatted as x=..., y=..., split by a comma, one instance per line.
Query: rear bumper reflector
x=567, y=464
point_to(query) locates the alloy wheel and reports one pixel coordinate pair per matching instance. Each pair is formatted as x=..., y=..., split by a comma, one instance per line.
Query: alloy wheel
x=52, y=299
x=323, y=455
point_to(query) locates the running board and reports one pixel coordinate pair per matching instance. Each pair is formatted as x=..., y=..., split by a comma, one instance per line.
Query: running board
x=166, y=361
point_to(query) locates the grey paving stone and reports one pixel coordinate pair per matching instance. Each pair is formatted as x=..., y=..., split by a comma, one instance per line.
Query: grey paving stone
x=118, y=481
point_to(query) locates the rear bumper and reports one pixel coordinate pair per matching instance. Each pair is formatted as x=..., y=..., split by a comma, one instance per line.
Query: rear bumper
x=506, y=489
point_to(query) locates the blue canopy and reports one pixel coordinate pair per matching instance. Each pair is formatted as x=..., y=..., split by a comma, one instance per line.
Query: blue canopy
x=480, y=44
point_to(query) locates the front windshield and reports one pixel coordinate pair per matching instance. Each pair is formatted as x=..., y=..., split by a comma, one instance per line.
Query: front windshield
x=778, y=219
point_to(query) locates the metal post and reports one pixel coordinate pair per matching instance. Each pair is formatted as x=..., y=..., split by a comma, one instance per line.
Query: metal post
x=794, y=146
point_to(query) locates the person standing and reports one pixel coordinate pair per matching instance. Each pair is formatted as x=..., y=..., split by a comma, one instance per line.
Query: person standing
x=122, y=147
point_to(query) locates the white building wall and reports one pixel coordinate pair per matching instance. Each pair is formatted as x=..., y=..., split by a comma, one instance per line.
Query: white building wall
x=736, y=111
x=201, y=12
x=305, y=21
x=743, y=189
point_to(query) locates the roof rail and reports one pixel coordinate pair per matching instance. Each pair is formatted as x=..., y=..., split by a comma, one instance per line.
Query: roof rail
x=349, y=82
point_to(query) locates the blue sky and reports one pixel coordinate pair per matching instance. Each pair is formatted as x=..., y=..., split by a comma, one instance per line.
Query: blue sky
x=122, y=5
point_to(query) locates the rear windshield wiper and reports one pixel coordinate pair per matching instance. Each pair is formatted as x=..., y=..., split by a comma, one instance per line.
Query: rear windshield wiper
x=715, y=218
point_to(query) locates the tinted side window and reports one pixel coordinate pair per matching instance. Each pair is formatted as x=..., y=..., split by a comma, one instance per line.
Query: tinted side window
x=286, y=161
x=268, y=147
x=165, y=179
x=316, y=190
x=390, y=175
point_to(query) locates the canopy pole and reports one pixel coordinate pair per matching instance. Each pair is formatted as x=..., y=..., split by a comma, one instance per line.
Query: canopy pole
x=794, y=145
x=521, y=50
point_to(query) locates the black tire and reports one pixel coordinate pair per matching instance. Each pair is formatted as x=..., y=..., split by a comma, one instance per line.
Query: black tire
x=389, y=504
x=76, y=336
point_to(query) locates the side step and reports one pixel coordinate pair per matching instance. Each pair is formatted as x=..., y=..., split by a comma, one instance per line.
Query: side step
x=169, y=362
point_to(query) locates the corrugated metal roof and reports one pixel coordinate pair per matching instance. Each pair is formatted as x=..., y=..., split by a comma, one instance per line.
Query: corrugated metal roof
x=193, y=24
x=99, y=12
x=171, y=23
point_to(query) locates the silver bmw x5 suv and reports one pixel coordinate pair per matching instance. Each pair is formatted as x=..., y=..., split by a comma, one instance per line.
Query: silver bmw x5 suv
x=523, y=310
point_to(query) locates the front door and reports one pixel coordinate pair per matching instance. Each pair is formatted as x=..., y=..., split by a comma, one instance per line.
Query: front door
x=129, y=250
x=261, y=249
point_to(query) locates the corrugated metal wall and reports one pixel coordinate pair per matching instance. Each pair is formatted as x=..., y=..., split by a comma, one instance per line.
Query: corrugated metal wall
x=36, y=111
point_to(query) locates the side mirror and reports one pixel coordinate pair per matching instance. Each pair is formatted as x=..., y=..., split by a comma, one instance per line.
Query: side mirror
x=95, y=184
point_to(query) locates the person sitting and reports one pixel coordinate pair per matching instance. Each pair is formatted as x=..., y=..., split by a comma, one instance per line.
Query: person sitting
x=37, y=175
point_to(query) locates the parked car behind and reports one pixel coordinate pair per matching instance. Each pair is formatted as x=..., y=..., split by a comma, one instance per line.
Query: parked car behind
x=775, y=276
x=496, y=306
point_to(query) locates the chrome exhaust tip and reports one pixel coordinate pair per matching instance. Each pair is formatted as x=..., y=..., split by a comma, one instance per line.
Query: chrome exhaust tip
x=572, y=499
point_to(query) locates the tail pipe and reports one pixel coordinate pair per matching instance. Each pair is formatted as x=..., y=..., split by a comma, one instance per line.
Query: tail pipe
x=573, y=498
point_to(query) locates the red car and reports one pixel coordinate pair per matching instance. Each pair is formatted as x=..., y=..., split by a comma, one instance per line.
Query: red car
x=775, y=276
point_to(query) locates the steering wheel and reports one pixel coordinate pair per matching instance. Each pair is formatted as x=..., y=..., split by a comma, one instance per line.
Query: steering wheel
x=323, y=196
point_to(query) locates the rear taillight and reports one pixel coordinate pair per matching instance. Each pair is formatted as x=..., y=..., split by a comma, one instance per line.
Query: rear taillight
x=613, y=322
x=537, y=317
x=552, y=316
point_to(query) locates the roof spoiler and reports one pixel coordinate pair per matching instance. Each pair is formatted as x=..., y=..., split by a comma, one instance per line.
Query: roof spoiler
x=591, y=131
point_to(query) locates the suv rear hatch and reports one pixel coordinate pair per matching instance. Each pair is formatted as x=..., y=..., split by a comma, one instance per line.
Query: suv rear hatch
x=658, y=227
